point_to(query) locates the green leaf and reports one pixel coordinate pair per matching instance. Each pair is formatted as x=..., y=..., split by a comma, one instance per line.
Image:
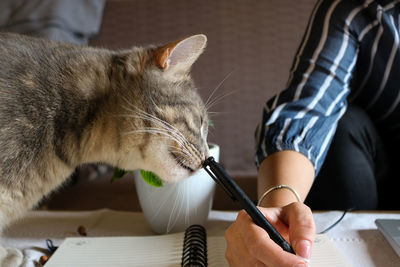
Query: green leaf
x=118, y=174
x=151, y=178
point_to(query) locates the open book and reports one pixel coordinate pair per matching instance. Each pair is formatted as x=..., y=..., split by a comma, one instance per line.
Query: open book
x=191, y=248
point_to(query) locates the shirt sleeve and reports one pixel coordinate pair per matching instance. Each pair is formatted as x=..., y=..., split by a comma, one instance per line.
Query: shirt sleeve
x=304, y=116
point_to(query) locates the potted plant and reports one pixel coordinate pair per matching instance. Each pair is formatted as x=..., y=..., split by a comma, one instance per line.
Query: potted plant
x=172, y=207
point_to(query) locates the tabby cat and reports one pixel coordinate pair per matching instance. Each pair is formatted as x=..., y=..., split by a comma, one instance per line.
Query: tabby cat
x=63, y=105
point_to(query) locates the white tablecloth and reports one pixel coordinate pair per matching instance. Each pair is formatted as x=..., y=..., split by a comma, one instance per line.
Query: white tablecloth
x=356, y=236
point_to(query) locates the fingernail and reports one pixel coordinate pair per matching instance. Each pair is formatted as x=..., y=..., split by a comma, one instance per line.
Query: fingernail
x=301, y=264
x=303, y=249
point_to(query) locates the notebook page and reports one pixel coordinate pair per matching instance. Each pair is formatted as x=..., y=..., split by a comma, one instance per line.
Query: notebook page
x=325, y=254
x=216, y=246
x=165, y=250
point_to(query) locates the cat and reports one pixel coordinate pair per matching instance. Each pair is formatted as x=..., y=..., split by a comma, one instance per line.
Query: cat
x=63, y=105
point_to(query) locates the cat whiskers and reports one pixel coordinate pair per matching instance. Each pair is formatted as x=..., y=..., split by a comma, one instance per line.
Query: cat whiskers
x=217, y=87
x=170, y=128
x=156, y=131
x=182, y=161
x=161, y=123
x=165, y=134
x=165, y=129
x=163, y=202
x=211, y=102
x=176, y=210
x=180, y=150
x=218, y=99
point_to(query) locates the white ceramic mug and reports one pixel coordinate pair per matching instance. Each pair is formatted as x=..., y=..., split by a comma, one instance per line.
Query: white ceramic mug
x=175, y=206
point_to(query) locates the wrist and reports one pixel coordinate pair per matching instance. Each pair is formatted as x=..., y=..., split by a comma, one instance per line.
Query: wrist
x=279, y=196
x=275, y=170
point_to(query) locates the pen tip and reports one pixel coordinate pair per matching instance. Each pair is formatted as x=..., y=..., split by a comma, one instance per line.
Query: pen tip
x=207, y=161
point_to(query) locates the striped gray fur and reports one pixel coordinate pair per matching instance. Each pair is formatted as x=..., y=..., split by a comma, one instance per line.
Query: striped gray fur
x=64, y=105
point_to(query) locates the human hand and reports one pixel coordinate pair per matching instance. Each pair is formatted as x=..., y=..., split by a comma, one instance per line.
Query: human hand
x=250, y=245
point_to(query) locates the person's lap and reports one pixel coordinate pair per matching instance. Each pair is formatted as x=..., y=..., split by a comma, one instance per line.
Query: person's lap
x=355, y=174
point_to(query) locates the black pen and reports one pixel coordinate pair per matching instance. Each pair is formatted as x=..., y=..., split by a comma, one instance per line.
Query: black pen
x=222, y=178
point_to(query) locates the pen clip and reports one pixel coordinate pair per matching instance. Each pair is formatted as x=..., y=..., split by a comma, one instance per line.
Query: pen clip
x=207, y=168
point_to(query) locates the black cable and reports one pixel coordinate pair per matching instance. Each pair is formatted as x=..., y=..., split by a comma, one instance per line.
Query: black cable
x=50, y=246
x=336, y=223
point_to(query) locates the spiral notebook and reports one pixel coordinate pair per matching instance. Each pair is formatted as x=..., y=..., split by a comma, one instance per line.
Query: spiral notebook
x=191, y=248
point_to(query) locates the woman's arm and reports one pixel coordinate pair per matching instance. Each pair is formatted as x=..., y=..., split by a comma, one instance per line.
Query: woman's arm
x=285, y=168
x=294, y=136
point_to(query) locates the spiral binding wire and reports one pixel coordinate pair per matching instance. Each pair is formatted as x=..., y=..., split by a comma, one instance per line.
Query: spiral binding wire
x=194, y=247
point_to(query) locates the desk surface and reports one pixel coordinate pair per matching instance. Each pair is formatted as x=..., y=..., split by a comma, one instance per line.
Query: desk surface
x=356, y=236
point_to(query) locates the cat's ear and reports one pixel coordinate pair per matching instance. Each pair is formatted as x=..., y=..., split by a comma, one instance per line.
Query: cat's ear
x=179, y=56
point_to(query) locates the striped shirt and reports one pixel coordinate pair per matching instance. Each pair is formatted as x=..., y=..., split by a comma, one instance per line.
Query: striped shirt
x=349, y=53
